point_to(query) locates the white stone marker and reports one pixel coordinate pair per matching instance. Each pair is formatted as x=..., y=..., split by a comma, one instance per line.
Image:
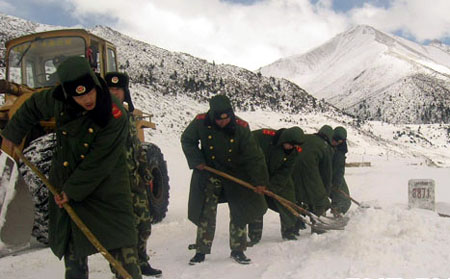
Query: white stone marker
x=421, y=194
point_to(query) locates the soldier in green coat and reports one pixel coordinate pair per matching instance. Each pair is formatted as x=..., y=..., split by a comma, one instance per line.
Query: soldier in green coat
x=339, y=201
x=280, y=148
x=139, y=171
x=313, y=170
x=88, y=166
x=227, y=145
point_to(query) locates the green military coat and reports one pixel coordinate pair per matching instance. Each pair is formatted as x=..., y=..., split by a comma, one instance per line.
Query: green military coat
x=235, y=153
x=279, y=164
x=339, y=201
x=339, y=166
x=312, y=174
x=280, y=167
x=89, y=165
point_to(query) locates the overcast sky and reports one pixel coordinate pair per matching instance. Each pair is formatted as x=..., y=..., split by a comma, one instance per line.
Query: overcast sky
x=247, y=33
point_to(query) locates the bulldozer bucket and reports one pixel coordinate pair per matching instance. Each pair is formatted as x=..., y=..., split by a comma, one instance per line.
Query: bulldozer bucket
x=16, y=207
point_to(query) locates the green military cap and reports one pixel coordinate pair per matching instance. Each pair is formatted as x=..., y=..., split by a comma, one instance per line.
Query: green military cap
x=76, y=76
x=293, y=135
x=219, y=103
x=220, y=107
x=327, y=132
x=340, y=133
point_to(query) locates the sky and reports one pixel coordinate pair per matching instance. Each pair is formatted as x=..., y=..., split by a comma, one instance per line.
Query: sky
x=246, y=33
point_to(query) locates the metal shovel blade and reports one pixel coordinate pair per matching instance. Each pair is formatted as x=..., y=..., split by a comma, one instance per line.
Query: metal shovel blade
x=328, y=223
x=328, y=226
x=16, y=206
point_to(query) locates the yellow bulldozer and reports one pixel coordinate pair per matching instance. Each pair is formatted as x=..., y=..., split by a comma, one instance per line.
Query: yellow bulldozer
x=31, y=63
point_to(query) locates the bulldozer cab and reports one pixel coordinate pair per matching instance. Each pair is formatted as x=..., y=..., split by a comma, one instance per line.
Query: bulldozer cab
x=32, y=60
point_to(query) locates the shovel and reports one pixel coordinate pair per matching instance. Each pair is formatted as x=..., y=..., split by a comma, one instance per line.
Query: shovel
x=361, y=205
x=90, y=236
x=316, y=221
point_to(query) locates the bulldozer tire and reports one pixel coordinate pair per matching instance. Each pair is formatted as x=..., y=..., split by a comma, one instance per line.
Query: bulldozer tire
x=158, y=190
x=39, y=153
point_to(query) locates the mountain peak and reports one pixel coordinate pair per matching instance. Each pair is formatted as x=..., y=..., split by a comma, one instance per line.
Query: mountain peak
x=366, y=33
x=363, y=28
x=359, y=30
x=373, y=75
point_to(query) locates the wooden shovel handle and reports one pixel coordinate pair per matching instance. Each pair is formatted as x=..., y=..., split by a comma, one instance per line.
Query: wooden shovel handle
x=286, y=203
x=347, y=196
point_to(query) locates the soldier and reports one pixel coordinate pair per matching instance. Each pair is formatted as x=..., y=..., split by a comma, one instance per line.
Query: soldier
x=280, y=148
x=339, y=202
x=227, y=145
x=139, y=171
x=313, y=169
x=88, y=166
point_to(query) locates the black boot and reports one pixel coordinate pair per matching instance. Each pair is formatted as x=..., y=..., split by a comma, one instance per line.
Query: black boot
x=317, y=231
x=197, y=258
x=289, y=236
x=147, y=270
x=240, y=257
x=253, y=242
x=300, y=225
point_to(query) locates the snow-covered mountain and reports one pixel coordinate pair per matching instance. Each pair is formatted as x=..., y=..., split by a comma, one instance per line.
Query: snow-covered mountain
x=375, y=75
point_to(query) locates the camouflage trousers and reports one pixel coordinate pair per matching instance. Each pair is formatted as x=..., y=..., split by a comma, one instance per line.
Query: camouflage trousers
x=207, y=224
x=77, y=268
x=340, y=202
x=143, y=224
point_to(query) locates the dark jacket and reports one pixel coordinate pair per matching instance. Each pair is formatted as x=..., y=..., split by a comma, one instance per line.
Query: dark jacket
x=312, y=173
x=89, y=165
x=339, y=166
x=279, y=163
x=232, y=150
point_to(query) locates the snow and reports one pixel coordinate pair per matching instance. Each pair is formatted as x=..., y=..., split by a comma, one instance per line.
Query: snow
x=436, y=67
x=393, y=241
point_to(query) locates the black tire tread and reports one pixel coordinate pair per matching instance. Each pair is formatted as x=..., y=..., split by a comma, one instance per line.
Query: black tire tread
x=158, y=204
x=39, y=153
